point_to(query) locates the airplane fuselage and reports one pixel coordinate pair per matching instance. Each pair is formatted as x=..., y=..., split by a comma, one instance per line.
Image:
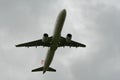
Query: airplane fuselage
x=55, y=40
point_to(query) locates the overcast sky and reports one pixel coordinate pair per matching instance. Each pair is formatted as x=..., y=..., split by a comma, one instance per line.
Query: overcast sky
x=95, y=23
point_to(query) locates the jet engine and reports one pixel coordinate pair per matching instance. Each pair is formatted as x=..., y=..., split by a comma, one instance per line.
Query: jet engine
x=45, y=37
x=68, y=38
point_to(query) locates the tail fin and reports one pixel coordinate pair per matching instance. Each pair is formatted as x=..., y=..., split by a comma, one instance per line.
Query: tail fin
x=41, y=69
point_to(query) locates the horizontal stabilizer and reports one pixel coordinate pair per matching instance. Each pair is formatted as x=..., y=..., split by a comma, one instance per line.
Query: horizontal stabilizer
x=37, y=69
x=41, y=69
x=51, y=69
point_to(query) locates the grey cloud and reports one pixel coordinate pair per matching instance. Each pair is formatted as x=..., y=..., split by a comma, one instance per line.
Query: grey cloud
x=24, y=20
x=104, y=62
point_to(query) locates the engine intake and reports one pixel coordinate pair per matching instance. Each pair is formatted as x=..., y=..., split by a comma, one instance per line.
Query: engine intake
x=68, y=38
x=45, y=37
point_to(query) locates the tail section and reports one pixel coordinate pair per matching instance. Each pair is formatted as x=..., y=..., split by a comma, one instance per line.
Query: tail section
x=41, y=69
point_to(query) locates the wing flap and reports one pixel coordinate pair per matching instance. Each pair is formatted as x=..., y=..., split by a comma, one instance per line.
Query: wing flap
x=72, y=43
x=36, y=43
x=76, y=44
x=32, y=43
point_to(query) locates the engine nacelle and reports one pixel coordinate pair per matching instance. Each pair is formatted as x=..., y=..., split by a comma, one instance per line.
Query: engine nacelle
x=45, y=37
x=68, y=38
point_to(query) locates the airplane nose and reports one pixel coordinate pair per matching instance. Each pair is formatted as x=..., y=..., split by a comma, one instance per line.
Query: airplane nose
x=64, y=11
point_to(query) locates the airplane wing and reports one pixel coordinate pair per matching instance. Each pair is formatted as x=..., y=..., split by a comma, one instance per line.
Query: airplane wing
x=62, y=43
x=72, y=43
x=36, y=43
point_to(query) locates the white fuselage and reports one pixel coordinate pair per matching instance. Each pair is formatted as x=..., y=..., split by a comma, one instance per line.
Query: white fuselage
x=55, y=39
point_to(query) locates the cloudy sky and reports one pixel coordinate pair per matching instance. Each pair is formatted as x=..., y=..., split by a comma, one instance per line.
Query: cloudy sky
x=95, y=23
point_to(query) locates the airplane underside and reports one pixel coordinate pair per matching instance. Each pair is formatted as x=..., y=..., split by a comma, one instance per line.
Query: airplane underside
x=53, y=42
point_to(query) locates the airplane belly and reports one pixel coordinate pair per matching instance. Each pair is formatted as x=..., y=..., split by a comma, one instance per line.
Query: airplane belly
x=58, y=27
x=59, y=23
x=49, y=57
x=55, y=39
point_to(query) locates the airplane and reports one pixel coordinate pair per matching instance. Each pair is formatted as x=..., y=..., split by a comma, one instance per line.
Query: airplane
x=53, y=42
